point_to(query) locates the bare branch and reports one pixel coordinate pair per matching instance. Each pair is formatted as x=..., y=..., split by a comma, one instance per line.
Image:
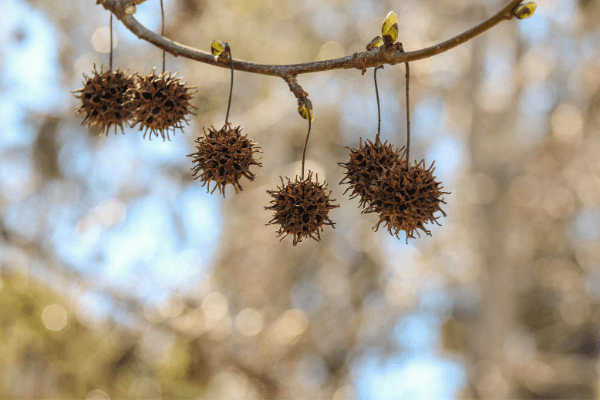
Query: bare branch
x=365, y=59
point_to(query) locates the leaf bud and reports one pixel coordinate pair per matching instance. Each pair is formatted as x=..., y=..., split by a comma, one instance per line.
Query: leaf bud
x=218, y=48
x=375, y=43
x=524, y=10
x=305, y=108
x=389, y=29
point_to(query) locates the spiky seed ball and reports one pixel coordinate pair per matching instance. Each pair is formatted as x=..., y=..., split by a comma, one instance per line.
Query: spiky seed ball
x=160, y=103
x=104, y=99
x=301, y=208
x=223, y=157
x=366, y=165
x=406, y=199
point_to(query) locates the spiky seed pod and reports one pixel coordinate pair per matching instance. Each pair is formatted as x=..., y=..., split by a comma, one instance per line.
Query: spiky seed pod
x=104, y=99
x=223, y=157
x=301, y=208
x=160, y=103
x=406, y=199
x=366, y=166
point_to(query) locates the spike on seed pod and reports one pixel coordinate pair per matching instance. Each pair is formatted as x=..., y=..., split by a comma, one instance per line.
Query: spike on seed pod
x=407, y=199
x=366, y=166
x=223, y=157
x=104, y=98
x=301, y=208
x=160, y=103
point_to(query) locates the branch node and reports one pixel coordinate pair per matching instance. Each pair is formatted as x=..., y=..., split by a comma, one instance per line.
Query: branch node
x=295, y=87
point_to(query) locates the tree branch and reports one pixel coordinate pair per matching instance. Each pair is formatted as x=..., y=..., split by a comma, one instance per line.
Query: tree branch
x=123, y=10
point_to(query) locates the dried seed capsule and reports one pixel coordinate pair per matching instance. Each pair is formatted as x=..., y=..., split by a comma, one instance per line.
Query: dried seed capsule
x=160, y=103
x=223, y=157
x=366, y=166
x=105, y=99
x=406, y=199
x=301, y=208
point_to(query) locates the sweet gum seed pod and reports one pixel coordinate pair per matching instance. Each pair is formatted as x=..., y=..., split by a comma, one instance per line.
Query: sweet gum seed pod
x=366, y=166
x=405, y=199
x=105, y=99
x=160, y=104
x=223, y=157
x=301, y=208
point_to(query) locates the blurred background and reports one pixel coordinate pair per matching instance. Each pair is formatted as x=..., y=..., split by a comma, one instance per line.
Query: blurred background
x=120, y=277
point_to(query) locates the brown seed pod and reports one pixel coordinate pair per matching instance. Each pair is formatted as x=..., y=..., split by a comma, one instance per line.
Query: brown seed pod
x=160, y=102
x=301, y=208
x=223, y=157
x=366, y=166
x=104, y=98
x=406, y=199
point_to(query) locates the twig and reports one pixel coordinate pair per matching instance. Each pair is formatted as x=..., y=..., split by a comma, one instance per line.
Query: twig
x=361, y=60
x=295, y=87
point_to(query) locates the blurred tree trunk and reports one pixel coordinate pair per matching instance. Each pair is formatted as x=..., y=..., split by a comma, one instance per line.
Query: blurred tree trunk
x=497, y=308
x=522, y=343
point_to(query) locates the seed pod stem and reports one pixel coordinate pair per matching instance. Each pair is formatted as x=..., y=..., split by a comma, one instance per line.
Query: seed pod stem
x=377, y=139
x=407, y=118
x=111, y=43
x=162, y=32
x=228, y=51
x=305, y=143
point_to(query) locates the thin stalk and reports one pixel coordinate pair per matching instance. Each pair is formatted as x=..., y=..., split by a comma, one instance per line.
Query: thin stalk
x=377, y=139
x=162, y=33
x=306, y=141
x=230, y=86
x=111, y=42
x=407, y=119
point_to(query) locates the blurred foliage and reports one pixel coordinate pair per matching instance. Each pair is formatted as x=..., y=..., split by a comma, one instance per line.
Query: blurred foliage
x=41, y=362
